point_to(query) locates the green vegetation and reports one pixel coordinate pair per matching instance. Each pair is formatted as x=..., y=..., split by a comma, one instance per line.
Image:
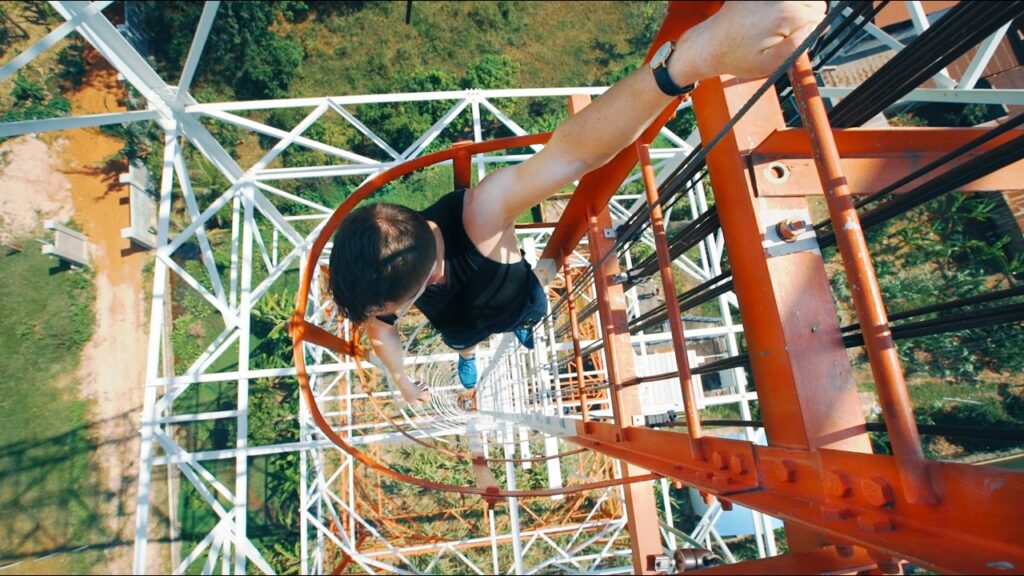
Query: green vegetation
x=49, y=502
x=33, y=101
x=945, y=249
x=37, y=90
x=71, y=62
x=290, y=49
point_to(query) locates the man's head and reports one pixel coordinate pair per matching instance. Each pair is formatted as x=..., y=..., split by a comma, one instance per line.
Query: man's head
x=383, y=254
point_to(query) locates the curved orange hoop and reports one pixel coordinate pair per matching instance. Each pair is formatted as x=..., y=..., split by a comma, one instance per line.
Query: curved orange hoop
x=302, y=330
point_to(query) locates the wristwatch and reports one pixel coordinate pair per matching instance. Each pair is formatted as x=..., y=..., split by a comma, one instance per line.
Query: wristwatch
x=659, y=64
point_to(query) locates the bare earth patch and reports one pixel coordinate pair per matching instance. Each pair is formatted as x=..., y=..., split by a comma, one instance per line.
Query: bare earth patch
x=31, y=186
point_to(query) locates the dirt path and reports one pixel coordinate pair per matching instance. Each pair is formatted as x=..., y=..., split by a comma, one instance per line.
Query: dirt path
x=114, y=361
x=34, y=187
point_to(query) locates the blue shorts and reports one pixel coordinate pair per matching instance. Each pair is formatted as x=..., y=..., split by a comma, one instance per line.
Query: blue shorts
x=535, y=309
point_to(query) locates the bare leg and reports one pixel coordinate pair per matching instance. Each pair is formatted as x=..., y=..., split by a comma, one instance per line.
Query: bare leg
x=466, y=396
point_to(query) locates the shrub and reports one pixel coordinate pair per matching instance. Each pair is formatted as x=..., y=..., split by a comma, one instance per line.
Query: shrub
x=72, y=64
x=986, y=414
x=268, y=70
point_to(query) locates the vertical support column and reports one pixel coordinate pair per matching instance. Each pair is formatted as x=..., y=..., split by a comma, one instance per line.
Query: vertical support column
x=798, y=361
x=508, y=440
x=641, y=508
x=148, y=426
x=668, y=287
x=304, y=433
x=462, y=165
x=867, y=297
x=574, y=326
x=242, y=421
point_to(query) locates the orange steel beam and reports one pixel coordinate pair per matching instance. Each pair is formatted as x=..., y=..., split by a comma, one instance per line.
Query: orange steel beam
x=867, y=297
x=785, y=299
x=782, y=164
x=668, y=286
x=597, y=187
x=641, y=509
x=799, y=364
x=851, y=498
x=575, y=326
x=815, y=474
x=385, y=552
x=820, y=561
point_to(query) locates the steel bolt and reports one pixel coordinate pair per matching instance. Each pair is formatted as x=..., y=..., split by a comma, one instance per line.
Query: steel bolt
x=784, y=471
x=837, y=485
x=885, y=562
x=790, y=228
x=877, y=491
x=777, y=173
x=738, y=464
x=718, y=461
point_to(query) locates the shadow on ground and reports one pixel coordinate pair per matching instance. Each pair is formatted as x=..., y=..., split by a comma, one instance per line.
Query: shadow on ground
x=51, y=501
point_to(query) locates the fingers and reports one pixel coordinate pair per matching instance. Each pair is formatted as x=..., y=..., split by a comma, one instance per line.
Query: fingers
x=777, y=54
x=415, y=393
x=771, y=31
x=794, y=17
x=423, y=391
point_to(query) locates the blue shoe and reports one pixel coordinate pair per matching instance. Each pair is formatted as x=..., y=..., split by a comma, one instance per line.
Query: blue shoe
x=467, y=372
x=525, y=336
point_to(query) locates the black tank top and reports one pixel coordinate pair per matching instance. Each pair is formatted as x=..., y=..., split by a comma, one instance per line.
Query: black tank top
x=478, y=293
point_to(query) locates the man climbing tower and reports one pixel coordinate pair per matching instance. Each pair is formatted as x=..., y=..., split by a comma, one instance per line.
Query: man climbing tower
x=458, y=260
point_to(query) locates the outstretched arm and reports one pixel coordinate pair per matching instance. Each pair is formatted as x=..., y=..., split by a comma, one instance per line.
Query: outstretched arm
x=388, y=346
x=747, y=39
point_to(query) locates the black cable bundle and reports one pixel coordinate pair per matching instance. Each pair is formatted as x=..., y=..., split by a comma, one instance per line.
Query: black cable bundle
x=964, y=26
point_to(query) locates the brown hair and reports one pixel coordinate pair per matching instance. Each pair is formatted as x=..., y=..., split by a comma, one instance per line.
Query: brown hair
x=382, y=253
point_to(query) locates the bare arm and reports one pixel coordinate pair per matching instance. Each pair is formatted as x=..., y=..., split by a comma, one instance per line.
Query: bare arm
x=388, y=346
x=744, y=38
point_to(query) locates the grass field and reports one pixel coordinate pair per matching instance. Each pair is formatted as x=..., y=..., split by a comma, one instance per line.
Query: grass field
x=48, y=502
x=553, y=43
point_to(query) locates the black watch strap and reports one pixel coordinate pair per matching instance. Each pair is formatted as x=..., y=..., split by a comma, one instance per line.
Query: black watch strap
x=668, y=86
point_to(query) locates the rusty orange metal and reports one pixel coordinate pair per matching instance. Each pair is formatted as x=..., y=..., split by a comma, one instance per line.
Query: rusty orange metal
x=867, y=297
x=668, y=287
x=844, y=508
x=575, y=334
x=641, y=510
x=798, y=362
x=872, y=158
x=825, y=560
